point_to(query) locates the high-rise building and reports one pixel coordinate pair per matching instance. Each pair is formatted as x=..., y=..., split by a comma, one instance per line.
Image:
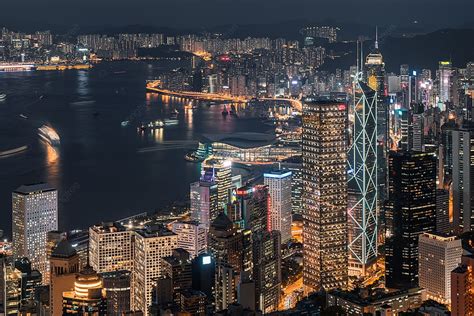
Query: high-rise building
x=362, y=181
x=253, y=201
x=375, y=67
x=52, y=240
x=462, y=285
x=417, y=123
x=192, y=237
x=463, y=177
x=110, y=247
x=225, y=286
x=444, y=81
x=87, y=298
x=325, y=253
x=279, y=188
x=178, y=268
x=30, y=278
x=410, y=211
x=267, y=270
x=438, y=256
x=225, y=242
x=35, y=213
x=446, y=146
x=10, y=286
x=443, y=218
x=117, y=288
x=151, y=246
x=221, y=172
x=64, y=263
x=204, y=202
x=192, y=302
x=204, y=274
x=296, y=185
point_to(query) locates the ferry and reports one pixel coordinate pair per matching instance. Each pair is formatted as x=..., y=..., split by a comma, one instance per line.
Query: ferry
x=152, y=125
x=3, y=96
x=170, y=122
x=49, y=135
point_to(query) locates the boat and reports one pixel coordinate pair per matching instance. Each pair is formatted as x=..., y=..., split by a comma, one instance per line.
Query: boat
x=3, y=96
x=49, y=135
x=125, y=123
x=225, y=112
x=192, y=157
x=23, y=116
x=152, y=125
x=174, y=114
x=170, y=122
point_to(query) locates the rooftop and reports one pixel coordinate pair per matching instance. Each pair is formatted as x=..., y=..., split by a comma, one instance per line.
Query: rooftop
x=241, y=139
x=33, y=188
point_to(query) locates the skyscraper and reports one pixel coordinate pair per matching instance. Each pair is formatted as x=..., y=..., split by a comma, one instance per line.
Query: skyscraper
x=110, y=247
x=204, y=201
x=410, y=211
x=221, y=173
x=35, y=213
x=439, y=255
x=117, y=288
x=444, y=82
x=151, y=246
x=192, y=237
x=463, y=177
x=253, y=201
x=462, y=285
x=362, y=181
x=279, y=188
x=325, y=253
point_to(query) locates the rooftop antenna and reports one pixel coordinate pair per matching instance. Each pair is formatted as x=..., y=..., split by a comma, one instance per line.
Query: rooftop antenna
x=376, y=38
x=357, y=56
x=361, y=56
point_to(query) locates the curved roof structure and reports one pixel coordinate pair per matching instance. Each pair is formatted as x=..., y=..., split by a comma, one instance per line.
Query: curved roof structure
x=241, y=139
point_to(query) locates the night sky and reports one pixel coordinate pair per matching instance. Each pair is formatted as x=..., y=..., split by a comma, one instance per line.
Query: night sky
x=196, y=13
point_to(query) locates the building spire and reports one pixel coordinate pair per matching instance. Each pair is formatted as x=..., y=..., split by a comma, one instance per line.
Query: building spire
x=376, y=38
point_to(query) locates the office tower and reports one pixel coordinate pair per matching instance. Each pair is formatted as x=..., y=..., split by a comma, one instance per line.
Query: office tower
x=79, y=240
x=446, y=142
x=296, y=185
x=178, y=268
x=375, y=68
x=204, y=201
x=267, y=270
x=225, y=242
x=204, y=274
x=439, y=255
x=192, y=302
x=225, y=286
x=324, y=196
x=110, y=247
x=64, y=264
x=410, y=211
x=117, y=288
x=10, y=286
x=443, y=221
x=362, y=181
x=463, y=171
x=35, y=213
x=253, y=201
x=417, y=123
x=405, y=129
x=279, y=189
x=221, y=172
x=52, y=240
x=87, y=297
x=462, y=285
x=151, y=245
x=192, y=237
x=163, y=295
x=444, y=82
x=30, y=278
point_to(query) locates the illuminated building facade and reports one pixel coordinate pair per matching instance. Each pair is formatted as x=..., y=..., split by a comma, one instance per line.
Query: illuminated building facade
x=253, y=201
x=192, y=237
x=462, y=286
x=110, y=247
x=151, y=245
x=279, y=188
x=35, y=213
x=410, y=212
x=439, y=255
x=64, y=263
x=325, y=252
x=444, y=76
x=204, y=201
x=221, y=171
x=117, y=288
x=87, y=298
x=462, y=176
x=10, y=286
x=362, y=181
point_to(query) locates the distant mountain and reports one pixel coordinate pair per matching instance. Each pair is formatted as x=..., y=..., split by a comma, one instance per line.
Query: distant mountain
x=420, y=51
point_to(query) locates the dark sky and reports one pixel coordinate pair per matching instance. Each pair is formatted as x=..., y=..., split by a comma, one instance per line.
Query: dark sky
x=195, y=13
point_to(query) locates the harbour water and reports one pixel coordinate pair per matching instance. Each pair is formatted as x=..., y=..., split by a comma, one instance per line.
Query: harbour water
x=102, y=170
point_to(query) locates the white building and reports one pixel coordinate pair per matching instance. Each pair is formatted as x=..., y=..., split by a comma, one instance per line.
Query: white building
x=438, y=256
x=151, y=245
x=192, y=237
x=110, y=247
x=35, y=213
x=204, y=202
x=279, y=188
